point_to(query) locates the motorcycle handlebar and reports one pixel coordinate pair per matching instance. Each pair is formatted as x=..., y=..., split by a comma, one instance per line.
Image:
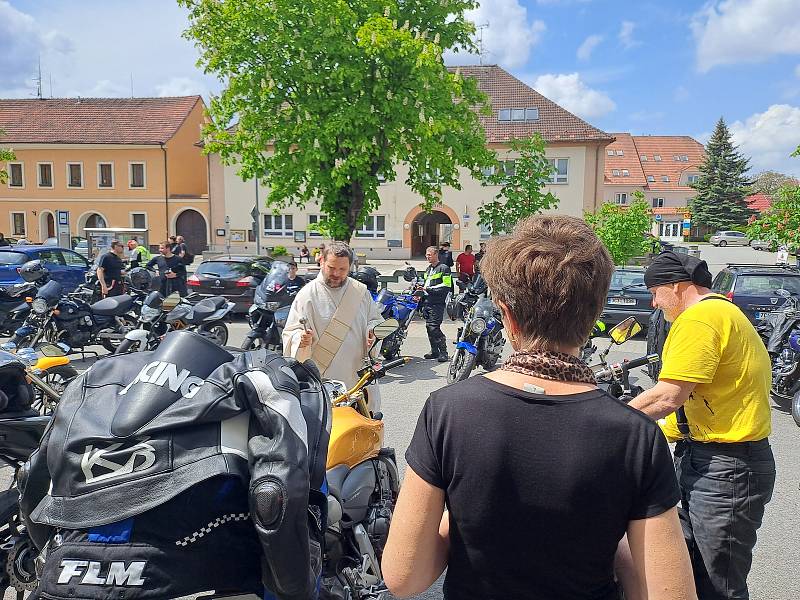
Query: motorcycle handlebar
x=627, y=365
x=396, y=363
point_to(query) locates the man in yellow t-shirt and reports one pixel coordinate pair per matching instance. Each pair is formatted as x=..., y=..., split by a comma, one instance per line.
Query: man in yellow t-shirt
x=713, y=390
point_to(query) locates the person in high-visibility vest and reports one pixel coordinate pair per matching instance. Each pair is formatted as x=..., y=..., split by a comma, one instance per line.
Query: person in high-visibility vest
x=139, y=254
x=438, y=284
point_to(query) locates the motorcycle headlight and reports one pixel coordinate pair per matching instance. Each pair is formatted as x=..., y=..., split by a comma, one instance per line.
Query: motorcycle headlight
x=273, y=306
x=478, y=325
x=150, y=314
x=39, y=306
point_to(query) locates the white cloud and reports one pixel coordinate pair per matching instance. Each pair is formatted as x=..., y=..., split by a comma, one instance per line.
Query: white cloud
x=797, y=71
x=769, y=138
x=22, y=42
x=736, y=31
x=569, y=91
x=179, y=86
x=626, y=35
x=587, y=47
x=508, y=40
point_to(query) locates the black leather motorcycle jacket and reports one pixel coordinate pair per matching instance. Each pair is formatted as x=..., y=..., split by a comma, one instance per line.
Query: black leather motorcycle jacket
x=180, y=471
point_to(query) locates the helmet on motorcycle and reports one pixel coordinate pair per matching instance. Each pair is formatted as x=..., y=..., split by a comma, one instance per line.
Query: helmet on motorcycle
x=33, y=270
x=409, y=273
x=16, y=394
x=141, y=279
x=369, y=277
x=794, y=341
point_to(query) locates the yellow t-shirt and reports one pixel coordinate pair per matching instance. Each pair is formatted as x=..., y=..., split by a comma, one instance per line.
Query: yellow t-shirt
x=713, y=344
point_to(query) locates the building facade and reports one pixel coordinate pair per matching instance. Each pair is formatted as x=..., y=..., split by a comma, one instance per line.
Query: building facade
x=107, y=162
x=663, y=169
x=400, y=228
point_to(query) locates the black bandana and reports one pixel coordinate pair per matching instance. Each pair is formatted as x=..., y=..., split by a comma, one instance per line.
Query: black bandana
x=673, y=267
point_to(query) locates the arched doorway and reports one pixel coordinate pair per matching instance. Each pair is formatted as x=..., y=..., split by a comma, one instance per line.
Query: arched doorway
x=192, y=226
x=47, y=226
x=91, y=220
x=430, y=229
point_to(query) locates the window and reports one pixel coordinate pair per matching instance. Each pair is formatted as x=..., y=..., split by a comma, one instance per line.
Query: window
x=626, y=173
x=52, y=257
x=137, y=176
x=657, y=157
x=615, y=172
x=531, y=114
x=508, y=167
x=517, y=114
x=621, y=198
x=620, y=153
x=73, y=259
x=105, y=175
x=684, y=158
x=373, y=227
x=676, y=157
x=487, y=171
x=18, y=223
x=504, y=114
x=74, y=175
x=692, y=178
x=139, y=220
x=278, y=225
x=313, y=220
x=644, y=157
x=381, y=178
x=486, y=231
x=658, y=203
x=45, y=173
x=665, y=178
x=561, y=166
x=650, y=178
x=610, y=152
x=16, y=175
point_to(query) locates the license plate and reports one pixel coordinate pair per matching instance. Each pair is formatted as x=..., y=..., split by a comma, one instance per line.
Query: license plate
x=760, y=316
x=622, y=301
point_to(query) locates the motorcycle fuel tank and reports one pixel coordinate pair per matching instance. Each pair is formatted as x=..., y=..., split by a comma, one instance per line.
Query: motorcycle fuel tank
x=354, y=438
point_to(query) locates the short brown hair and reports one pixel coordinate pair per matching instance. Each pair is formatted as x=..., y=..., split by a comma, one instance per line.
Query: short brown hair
x=340, y=249
x=115, y=243
x=553, y=273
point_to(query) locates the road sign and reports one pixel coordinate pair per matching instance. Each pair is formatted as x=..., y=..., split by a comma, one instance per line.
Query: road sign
x=254, y=213
x=658, y=217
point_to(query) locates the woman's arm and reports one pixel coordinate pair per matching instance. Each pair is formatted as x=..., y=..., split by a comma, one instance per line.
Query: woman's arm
x=416, y=552
x=660, y=558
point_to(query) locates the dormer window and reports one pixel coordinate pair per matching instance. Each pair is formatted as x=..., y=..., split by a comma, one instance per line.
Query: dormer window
x=519, y=115
x=644, y=157
x=620, y=153
x=651, y=179
x=610, y=152
x=625, y=173
x=657, y=157
x=615, y=172
x=665, y=178
x=531, y=114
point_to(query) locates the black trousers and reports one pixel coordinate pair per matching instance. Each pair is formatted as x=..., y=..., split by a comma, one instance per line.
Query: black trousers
x=434, y=315
x=724, y=489
x=176, y=284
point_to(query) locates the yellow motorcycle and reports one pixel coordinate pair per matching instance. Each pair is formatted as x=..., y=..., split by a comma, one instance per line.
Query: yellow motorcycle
x=48, y=369
x=363, y=483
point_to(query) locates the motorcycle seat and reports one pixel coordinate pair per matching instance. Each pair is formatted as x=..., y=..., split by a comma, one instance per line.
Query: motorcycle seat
x=204, y=309
x=113, y=306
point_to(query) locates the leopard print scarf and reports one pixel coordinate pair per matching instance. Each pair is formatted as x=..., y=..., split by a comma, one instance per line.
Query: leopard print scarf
x=555, y=366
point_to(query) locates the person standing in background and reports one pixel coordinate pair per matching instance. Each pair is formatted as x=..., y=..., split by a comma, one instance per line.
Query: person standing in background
x=110, y=270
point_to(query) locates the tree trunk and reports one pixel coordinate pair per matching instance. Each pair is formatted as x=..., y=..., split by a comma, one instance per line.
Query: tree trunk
x=350, y=204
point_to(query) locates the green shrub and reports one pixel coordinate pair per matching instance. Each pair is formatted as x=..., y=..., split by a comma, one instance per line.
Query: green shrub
x=279, y=251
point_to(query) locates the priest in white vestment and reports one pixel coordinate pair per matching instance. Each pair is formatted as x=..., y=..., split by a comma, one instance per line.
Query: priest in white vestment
x=351, y=334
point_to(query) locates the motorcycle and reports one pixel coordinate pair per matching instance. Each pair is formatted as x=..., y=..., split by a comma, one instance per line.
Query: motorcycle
x=13, y=306
x=72, y=320
x=363, y=483
x=781, y=335
x=615, y=377
x=589, y=348
x=49, y=370
x=267, y=316
x=480, y=341
x=459, y=305
x=21, y=428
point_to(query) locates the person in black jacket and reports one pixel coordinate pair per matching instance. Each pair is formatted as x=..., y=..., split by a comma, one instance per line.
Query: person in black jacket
x=171, y=270
x=438, y=284
x=445, y=255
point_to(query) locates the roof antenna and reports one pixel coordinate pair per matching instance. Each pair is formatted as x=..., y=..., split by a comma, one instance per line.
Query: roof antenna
x=481, y=48
x=38, y=80
x=131, y=84
x=51, y=85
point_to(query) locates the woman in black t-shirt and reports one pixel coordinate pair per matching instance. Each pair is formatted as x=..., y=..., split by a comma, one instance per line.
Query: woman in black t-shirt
x=542, y=473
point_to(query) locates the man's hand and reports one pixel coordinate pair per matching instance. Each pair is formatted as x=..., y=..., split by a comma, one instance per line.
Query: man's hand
x=306, y=338
x=370, y=338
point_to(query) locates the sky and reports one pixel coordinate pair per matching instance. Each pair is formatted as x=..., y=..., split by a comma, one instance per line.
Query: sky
x=648, y=67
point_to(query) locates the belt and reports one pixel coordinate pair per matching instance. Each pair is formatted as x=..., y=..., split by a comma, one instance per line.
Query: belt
x=730, y=447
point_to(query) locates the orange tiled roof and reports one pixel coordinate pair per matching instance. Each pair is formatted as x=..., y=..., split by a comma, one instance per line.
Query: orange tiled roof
x=759, y=202
x=555, y=124
x=635, y=148
x=94, y=120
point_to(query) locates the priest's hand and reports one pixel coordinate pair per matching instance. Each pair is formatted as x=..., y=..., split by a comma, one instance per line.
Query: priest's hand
x=306, y=338
x=370, y=338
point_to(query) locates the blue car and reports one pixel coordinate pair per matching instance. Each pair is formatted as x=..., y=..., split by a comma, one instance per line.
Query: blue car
x=67, y=267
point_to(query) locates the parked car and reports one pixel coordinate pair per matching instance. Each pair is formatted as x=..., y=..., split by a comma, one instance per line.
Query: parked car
x=764, y=245
x=729, y=238
x=67, y=267
x=753, y=287
x=233, y=277
x=627, y=297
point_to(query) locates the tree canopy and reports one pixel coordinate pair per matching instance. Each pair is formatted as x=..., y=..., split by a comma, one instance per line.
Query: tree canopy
x=5, y=156
x=622, y=229
x=330, y=95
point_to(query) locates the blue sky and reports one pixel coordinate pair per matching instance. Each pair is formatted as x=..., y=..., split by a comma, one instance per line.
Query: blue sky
x=669, y=68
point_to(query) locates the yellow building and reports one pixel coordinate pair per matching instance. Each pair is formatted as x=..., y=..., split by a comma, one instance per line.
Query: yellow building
x=105, y=162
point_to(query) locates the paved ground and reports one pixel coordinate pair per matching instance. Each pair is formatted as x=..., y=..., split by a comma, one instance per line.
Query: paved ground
x=777, y=558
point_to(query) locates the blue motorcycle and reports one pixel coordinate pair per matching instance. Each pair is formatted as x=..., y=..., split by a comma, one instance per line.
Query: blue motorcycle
x=480, y=341
x=402, y=307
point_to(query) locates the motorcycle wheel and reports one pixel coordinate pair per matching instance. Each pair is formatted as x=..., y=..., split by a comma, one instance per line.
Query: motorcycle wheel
x=252, y=343
x=57, y=378
x=217, y=333
x=781, y=400
x=461, y=366
x=796, y=408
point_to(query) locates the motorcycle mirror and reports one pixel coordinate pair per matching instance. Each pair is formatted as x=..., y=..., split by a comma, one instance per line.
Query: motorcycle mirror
x=385, y=329
x=625, y=330
x=783, y=293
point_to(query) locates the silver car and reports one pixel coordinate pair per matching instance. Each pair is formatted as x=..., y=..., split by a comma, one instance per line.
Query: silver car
x=764, y=245
x=729, y=238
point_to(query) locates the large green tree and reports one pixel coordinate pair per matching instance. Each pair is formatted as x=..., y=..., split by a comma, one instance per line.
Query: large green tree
x=622, y=229
x=522, y=181
x=769, y=182
x=780, y=223
x=329, y=95
x=5, y=156
x=723, y=184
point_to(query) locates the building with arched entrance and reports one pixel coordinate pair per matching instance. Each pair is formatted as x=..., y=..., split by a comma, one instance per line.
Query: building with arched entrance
x=121, y=162
x=399, y=228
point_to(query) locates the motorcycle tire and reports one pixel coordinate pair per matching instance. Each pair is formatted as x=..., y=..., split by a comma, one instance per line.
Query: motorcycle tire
x=461, y=366
x=252, y=343
x=124, y=347
x=217, y=333
x=782, y=401
x=112, y=345
x=796, y=408
x=57, y=378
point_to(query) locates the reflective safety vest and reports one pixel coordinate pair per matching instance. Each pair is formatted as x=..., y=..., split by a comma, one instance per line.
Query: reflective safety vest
x=438, y=282
x=144, y=254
